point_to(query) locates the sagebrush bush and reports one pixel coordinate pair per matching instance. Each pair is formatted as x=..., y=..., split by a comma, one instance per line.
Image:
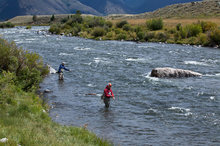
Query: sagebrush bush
x=94, y=21
x=121, y=24
x=127, y=27
x=140, y=36
x=7, y=25
x=203, y=39
x=155, y=24
x=55, y=29
x=98, y=32
x=208, y=26
x=193, y=30
x=149, y=36
x=215, y=37
x=162, y=37
x=178, y=26
x=28, y=67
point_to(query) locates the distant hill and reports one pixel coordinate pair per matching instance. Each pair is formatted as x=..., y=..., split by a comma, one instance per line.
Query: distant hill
x=12, y=8
x=199, y=9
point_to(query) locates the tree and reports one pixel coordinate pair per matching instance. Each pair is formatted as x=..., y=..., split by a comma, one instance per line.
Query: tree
x=78, y=12
x=34, y=18
x=52, y=18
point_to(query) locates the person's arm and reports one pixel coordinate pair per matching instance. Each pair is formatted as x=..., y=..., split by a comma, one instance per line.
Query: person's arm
x=65, y=68
x=112, y=94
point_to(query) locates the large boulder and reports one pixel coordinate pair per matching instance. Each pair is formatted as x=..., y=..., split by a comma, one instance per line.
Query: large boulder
x=167, y=72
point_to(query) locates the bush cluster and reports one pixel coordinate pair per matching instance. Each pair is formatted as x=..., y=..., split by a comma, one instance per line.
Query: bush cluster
x=28, y=67
x=7, y=25
x=200, y=33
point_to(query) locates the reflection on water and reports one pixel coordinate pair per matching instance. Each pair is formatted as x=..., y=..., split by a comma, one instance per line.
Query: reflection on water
x=147, y=111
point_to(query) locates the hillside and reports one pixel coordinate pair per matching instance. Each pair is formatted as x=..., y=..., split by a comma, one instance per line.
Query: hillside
x=203, y=9
x=12, y=8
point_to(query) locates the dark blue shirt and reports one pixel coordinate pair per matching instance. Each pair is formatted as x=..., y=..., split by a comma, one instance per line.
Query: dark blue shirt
x=62, y=67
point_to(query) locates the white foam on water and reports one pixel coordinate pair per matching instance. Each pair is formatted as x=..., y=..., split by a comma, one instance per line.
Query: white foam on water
x=88, y=63
x=145, y=46
x=185, y=111
x=32, y=39
x=218, y=74
x=91, y=85
x=81, y=49
x=66, y=54
x=179, y=109
x=151, y=78
x=136, y=59
x=101, y=60
x=196, y=63
x=212, y=97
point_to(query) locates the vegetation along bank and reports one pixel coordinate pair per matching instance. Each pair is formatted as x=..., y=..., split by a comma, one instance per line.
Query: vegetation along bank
x=23, y=115
x=203, y=33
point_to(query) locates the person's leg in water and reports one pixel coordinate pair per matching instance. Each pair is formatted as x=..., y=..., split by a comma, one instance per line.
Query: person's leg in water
x=107, y=102
x=61, y=76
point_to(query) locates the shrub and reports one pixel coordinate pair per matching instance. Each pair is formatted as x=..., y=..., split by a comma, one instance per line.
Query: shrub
x=126, y=27
x=64, y=20
x=98, y=31
x=208, y=26
x=140, y=35
x=177, y=36
x=7, y=25
x=149, y=36
x=160, y=36
x=172, y=31
x=28, y=27
x=109, y=24
x=215, y=37
x=178, y=27
x=121, y=24
x=155, y=24
x=94, y=21
x=77, y=18
x=203, y=39
x=55, y=29
x=183, y=33
x=28, y=67
x=193, y=30
x=76, y=29
x=121, y=36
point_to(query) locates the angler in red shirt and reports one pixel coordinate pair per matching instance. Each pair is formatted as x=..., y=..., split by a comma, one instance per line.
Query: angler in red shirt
x=108, y=94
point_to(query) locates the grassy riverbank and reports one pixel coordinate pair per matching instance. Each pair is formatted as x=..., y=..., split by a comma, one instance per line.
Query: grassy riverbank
x=24, y=118
x=205, y=33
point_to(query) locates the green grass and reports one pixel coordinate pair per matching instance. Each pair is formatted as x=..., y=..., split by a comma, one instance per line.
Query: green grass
x=24, y=118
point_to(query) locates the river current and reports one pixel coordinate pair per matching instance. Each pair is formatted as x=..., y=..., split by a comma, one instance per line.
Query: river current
x=147, y=110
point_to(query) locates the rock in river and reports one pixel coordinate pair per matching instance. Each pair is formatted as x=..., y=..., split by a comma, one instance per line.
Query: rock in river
x=167, y=72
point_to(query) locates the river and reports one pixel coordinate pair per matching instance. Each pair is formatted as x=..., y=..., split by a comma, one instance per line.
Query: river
x=147, y=110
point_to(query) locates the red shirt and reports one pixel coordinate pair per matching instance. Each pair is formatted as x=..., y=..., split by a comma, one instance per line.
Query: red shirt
x=108, y=92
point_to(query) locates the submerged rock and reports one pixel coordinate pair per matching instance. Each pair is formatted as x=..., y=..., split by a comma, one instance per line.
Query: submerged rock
x=47, y=91
x=167, y=72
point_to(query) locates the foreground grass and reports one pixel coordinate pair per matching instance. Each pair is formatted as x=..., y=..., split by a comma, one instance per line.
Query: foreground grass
x=24, y=119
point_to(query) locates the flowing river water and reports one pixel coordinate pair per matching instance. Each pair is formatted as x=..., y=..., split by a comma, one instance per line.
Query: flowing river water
x=147, y=110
